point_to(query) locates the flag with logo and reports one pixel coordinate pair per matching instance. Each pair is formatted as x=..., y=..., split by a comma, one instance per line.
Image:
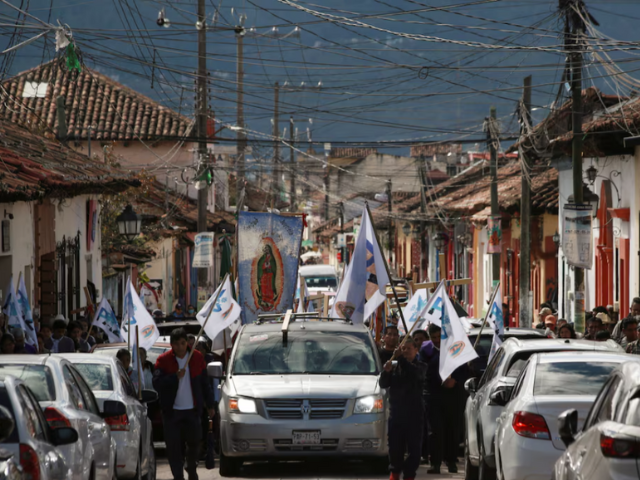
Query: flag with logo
x=455, y=347
x=221, y=309
x=432, y=311
x=364, y=287
x=13, y=312
x=413, y=309
x=106, y=320
x=138, y=315
x=27, y=315
x=496, y=322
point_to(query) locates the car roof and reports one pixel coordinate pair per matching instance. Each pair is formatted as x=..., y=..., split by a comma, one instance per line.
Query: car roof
x=124, y=345
x=87, y=358
x=41, y=359
x=583, y=356
x=178, y=323
x=316, y=270
x=315, y=326
x=546, y=344
x=510, y=331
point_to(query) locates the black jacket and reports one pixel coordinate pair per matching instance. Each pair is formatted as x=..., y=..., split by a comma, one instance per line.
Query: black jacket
x=405, y=383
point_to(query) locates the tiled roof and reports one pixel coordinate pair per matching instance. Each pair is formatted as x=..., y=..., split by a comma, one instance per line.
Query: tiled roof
x=117, y=112
x=33, y=167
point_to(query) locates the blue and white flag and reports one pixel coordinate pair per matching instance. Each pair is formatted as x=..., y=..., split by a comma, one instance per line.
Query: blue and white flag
x=413, y=309
x=432, y=311
x=496, y=322
x=31, y=337
x=364, y=287
x=222, y=314
x=138, y=315
x=106, y=320
x=13, y=311
x=455, y=347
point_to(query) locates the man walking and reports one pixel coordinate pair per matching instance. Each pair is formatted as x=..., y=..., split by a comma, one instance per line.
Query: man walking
x=389, y=343
x=184, y=390
x=630, y=331
x=405, y=382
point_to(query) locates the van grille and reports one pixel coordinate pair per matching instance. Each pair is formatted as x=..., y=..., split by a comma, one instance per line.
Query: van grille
x=315, y=408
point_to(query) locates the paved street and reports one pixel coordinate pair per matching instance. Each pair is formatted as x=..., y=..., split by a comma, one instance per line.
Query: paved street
x=305, y=470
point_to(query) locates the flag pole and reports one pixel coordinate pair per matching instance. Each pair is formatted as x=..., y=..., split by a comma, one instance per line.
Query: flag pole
x=386, y=266
x=207, y=319
x=486, y=317
x=139, y=364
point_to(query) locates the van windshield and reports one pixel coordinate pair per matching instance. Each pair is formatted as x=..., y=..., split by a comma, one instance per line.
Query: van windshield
x=306, y=352
x=321, y=282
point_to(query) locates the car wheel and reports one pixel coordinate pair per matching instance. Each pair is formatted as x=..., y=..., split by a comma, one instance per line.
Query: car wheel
x=485, y=472
x=151, y=471
x=470, y=472
x=229, y=467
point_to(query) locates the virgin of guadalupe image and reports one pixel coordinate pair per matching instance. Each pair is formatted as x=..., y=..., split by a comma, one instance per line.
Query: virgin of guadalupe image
x=267, y=293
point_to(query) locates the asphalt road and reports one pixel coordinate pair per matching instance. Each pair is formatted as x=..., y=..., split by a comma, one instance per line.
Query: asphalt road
x=322, y=469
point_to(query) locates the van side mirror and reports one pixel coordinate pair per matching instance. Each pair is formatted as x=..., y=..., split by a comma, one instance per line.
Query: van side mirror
x=471, y=385
x=113, y=408
x=500, y=397
x=64, y=436
x=568, y=426
x=215, y=370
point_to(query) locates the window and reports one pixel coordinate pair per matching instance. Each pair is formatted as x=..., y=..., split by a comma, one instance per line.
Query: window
x=602, y=407
x=42, y=422
x=37, y=377
x=632, y=414
x=75, y=395
x=493, y=366
x=127, y=384
x=34, y=427
x=516, y=367
x=87, y=395
x=608, y=405
x=571, y=378
x=97, y=375
x=520, y=381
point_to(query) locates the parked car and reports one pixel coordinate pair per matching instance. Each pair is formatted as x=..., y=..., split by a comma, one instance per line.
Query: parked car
x=67, y=401
x=30, y=447
x=527, y=442
x=303, y=390
x=608, y=444
x=111, y=349
x=481, y=411
x=319, y=278
x=132, y=431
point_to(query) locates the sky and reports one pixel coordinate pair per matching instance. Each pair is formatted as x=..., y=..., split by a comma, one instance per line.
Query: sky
x=381, y=73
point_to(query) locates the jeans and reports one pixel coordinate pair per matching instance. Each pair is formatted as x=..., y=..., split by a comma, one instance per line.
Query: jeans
x=405, y=436
x=182, y=434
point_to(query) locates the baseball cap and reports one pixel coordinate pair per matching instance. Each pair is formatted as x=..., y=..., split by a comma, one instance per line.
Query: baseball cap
x=606, y=319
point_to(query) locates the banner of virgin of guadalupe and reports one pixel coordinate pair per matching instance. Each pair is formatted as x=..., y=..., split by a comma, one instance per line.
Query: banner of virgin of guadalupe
x=268, y=253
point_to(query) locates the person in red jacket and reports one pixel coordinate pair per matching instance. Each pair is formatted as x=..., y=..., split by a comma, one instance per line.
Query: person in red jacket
x=183, y=390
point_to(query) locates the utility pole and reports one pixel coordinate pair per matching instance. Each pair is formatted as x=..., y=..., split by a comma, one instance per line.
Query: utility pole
x=327, y=180
x=342, y=249
x=492, y=140
x=276, y=143
x=389, y=208
x=292, y=167
x=524, y=291
x=241, y=136
x=201, y=125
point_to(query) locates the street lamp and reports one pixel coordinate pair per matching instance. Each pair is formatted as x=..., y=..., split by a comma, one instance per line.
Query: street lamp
x=592, y=173
x=588, y=198
x=556, y=239
x=406, y=229
x=129, y=223
x=440, y=240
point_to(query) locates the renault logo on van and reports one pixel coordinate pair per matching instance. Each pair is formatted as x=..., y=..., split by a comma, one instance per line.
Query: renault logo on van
x=306, y=409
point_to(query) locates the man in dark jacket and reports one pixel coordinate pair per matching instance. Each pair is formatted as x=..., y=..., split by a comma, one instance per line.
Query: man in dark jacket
x=444, y=405
x=405, y=383
x=183, y=390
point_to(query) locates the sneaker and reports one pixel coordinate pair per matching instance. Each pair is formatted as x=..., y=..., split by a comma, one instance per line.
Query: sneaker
x=394, y=476
x=434, y=470
x=453, y=468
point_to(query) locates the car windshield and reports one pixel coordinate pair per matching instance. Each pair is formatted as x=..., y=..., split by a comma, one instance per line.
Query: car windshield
x=97, y=375
x=571, y=378
x=37, y=377
x=306, y=352
x=321, y=282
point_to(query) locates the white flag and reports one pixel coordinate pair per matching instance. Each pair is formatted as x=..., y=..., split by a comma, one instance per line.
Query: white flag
x=432, y=311
x=13, y=311
x=106, y=320
x=496, y=322
x=222, y=314
x=27, y=315
x=455, y=347
x=364, y=286
x=413, y=309
x=303, y=295
x=147, y=329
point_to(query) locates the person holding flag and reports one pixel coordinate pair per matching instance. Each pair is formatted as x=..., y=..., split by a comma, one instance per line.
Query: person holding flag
x=15, y=316
x=446, y=355
x=496, y=322
x=106, y=320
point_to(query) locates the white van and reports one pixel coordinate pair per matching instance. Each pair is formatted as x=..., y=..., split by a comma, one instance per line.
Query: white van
x=319, y=278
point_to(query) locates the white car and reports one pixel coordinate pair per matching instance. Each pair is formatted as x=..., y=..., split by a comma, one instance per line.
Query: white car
x=527, y=442
x=67, y=401
x=27, y=438
x=481, y=411
x=132, y=431
x=319, y=278
x=608, y=445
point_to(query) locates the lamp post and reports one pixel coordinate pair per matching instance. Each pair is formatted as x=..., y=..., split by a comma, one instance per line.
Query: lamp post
x=588, y=198
x=406, y=229
x=440, y=240
x=129, y=223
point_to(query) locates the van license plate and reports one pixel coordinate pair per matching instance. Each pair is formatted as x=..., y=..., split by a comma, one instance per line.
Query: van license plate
x=307, y=437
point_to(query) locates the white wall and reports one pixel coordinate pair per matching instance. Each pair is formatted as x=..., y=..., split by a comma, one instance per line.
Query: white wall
x=161, y=268
x=22, y=245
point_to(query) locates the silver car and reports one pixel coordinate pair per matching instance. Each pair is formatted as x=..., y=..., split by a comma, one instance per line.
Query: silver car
x=67, y=401
x=305, y=391
x=30, y=448
x=132, y=431
x=482, y=411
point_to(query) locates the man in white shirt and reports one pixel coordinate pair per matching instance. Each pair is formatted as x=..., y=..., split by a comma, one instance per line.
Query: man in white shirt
x=184, y=391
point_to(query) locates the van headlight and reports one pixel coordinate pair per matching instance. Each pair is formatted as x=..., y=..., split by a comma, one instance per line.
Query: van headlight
x=242, y=405
x=369, y=404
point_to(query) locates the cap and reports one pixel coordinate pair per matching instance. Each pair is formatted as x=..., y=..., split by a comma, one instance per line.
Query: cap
x=61, y=317
x=550, y=319
x=606, y=319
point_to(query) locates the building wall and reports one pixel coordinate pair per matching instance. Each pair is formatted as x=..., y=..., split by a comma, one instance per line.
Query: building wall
x=20, y=257
x=161, y=268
